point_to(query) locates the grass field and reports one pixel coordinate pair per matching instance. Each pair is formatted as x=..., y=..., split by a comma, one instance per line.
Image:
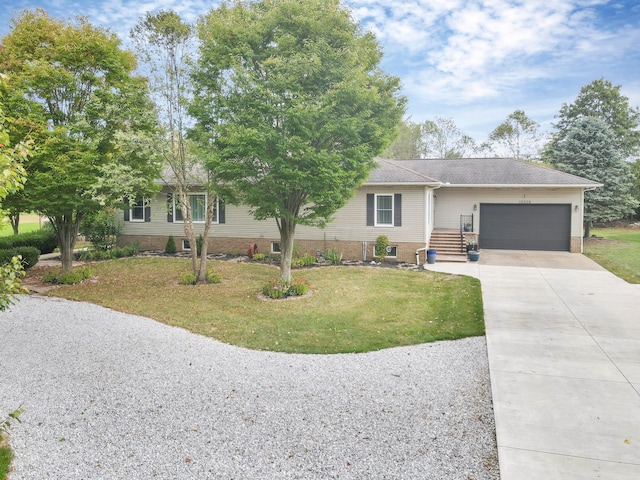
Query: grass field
x=28, y=223
x=617, y=250
x=351, y=309
x=5, y=458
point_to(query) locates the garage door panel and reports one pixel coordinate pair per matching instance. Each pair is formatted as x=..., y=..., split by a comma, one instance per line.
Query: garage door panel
x=525, y=227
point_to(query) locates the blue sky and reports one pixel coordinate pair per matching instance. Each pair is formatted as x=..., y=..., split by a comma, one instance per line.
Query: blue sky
x=475, y=61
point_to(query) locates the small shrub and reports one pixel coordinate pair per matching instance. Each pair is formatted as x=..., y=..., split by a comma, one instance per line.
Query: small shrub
x=101, y=228
x=334, y=257
x=276, y=288
x=118, y=252
x=45, y=240
x=382, y=242
x=259, y=256
x=170, y=247
x=70, y=278
x=303, y=261
x=29, y=255
x=11, y=281
x=188, y=278
x=213, y=277
x=299, y=286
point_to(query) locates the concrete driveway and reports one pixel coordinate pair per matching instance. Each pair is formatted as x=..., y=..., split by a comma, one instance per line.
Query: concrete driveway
x=563, y=339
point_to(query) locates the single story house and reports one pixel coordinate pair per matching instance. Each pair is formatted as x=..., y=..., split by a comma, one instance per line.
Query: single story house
x=505, y=203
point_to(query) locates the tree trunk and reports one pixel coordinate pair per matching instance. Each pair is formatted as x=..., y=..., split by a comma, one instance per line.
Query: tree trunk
x=66, y=227
x=14, y=218
x=189, y=232
x=587, y=229
x=202, y=274
x=287, y=233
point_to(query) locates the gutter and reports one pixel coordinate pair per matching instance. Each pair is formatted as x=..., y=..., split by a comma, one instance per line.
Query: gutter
x=590, y=186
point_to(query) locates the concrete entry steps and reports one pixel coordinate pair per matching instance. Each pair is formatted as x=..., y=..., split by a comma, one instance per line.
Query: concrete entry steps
x=563, y=340
x=448, y=246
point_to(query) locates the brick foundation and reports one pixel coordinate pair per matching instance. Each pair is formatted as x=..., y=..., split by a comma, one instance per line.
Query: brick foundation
x=236, y=246
x=576, y=245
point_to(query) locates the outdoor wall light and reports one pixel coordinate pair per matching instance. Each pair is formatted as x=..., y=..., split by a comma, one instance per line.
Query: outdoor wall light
x=577, y=208
x=475, y=207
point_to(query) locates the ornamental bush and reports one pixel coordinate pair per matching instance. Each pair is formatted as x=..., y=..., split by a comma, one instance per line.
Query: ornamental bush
x=190, y=278
x=30, y=256
x=277, y=289
x=76, y=275
x=382, y=242
x=45, y=240
x=334, y=257
x=101, y=229
x=170, y=247
x=303, y=261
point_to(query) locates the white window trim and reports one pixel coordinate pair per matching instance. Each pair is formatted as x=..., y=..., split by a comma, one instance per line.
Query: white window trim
x=184, y=247
x=273, y=250
x=375, y=210
x=144, y=206
x=176, y=208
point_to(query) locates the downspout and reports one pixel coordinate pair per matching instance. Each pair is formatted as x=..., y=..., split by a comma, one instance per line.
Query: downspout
x=427, y=229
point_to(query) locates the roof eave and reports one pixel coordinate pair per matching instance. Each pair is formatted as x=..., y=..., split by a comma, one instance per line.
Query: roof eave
x=520, y=185
x=405, y=184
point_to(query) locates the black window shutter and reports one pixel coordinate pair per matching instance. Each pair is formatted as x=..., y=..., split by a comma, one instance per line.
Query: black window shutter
x=170, y=207
x=397, y=210
x=220, y=211
x=147, y=213
x=371, y=209
x=126, y=210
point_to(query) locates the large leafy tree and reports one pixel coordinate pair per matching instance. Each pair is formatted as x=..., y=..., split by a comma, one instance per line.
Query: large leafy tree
x=22, y=128
x=589, y=150
x=438, y=138
x=292, y=93
x=95, y=148
x=408, y=142
x=441, y=138
x=603, y=100
x=12, y=178
x=165, y=43
x=517, y=137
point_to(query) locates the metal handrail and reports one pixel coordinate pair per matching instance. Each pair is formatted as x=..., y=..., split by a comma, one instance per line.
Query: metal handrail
x=465, y=221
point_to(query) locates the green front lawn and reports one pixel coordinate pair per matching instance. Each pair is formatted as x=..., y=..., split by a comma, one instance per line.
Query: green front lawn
x=351, y=309
x=618, y=250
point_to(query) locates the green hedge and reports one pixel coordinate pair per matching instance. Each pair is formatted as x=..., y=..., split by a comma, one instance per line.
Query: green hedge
x=30, y=256
x=44, y=240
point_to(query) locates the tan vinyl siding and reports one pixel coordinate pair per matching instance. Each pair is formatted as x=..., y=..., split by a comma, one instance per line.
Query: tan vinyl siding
x=349, y=223
x=453, y=202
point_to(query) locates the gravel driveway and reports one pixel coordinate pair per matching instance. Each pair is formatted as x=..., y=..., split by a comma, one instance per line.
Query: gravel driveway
x=115, y=396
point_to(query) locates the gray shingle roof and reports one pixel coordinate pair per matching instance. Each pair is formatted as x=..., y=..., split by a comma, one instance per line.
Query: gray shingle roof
x=472, y=171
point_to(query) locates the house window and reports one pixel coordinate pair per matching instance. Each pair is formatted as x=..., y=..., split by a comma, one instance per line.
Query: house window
x=384, y=210
x=136, y=211
x=391, y=251
x=198, y=204
x=186, y=245
x=275, y=247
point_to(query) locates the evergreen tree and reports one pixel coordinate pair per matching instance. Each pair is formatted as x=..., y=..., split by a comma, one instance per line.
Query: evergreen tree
x=589, y=149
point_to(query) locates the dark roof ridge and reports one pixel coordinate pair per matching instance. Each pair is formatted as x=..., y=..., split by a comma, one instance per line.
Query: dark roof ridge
x=393, y=162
